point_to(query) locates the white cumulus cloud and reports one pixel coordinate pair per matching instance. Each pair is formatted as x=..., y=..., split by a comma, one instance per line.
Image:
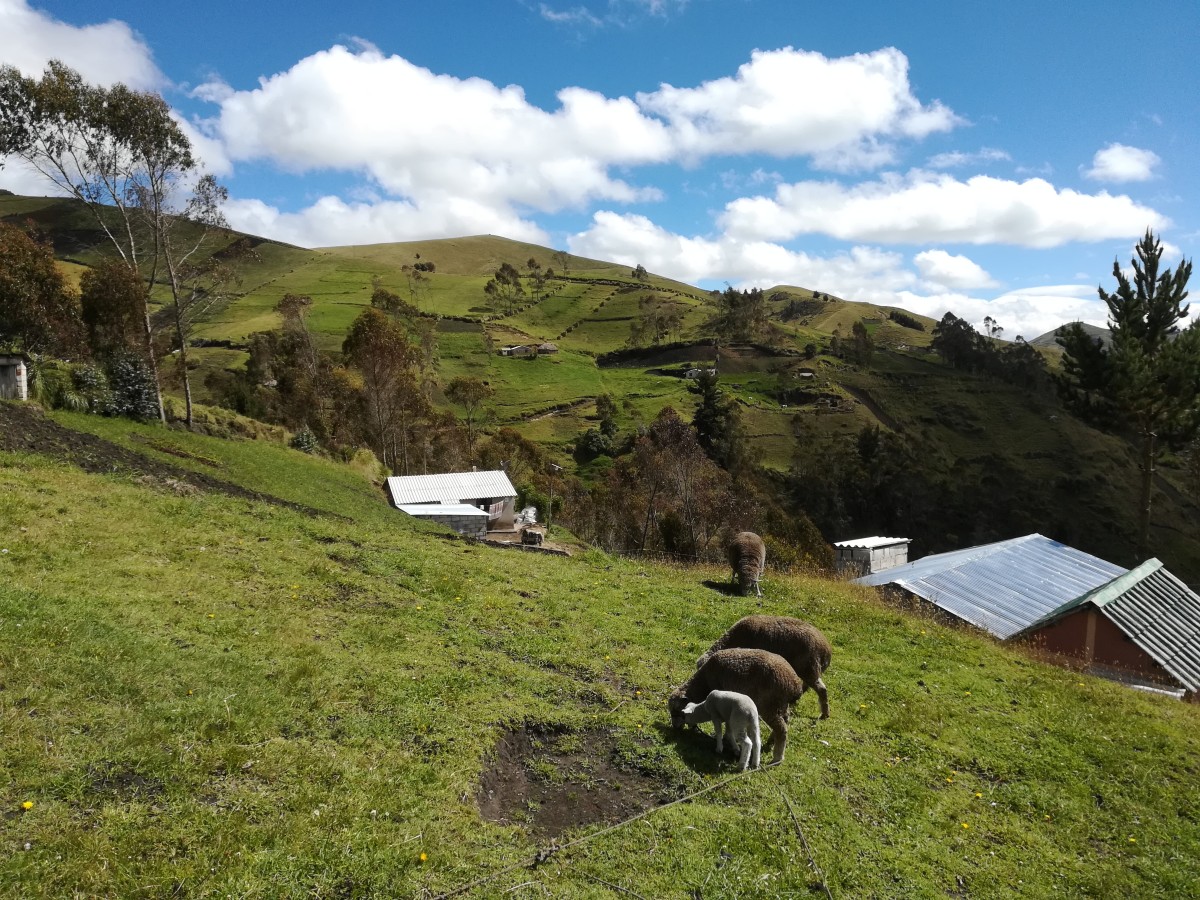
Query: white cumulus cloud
x=945, y=270
x=104, y=53
x=923, y=207
x=1117, y=162
x=422, y=135
x=844, y=112
x=331, y=221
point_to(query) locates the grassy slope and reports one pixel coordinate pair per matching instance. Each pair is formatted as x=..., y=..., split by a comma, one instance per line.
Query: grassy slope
x=224, y=697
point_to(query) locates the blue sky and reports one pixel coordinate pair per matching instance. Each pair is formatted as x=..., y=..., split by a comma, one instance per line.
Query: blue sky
x=987, y=158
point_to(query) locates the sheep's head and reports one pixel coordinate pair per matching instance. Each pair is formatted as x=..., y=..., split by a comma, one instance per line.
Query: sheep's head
x=676, y=703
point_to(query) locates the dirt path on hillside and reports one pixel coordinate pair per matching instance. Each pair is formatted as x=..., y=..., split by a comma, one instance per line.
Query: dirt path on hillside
x=865, y=398
x=24, y=428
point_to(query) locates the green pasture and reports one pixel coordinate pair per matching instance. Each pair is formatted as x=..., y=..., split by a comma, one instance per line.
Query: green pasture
x=224, y=697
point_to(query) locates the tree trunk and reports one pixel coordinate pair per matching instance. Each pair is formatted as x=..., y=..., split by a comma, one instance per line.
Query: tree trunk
x=1148, y=454
x=149, y=334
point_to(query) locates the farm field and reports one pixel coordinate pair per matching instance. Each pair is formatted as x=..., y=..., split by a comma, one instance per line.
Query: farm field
x=230, y=695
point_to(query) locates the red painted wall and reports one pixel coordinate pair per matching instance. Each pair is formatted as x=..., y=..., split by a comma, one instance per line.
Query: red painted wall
x=1112, y=648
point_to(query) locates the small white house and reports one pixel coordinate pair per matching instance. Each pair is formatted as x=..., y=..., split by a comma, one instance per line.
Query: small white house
x=14, y=376
x=472, y=503
x=864, y=556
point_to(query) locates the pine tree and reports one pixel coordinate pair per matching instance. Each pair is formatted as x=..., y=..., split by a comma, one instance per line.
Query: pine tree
x=1147, y=381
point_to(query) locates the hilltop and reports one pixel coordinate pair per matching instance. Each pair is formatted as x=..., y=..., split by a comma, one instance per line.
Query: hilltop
x=982, y=459
x=282, y=687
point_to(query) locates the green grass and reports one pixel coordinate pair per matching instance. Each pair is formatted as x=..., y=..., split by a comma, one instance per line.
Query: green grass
x=207, y=696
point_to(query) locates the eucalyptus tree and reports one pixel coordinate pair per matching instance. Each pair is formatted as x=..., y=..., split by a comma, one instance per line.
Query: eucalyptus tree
x=1146, y=382
x=122, y=154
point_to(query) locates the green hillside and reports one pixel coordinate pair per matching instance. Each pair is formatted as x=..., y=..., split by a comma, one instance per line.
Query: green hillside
x=228, y=669
x=992, y=460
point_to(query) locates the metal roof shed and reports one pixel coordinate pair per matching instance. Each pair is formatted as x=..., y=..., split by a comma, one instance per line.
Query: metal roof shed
x=872, y=554
x=1145, y=623
x=1001, y=587
x=489, y=491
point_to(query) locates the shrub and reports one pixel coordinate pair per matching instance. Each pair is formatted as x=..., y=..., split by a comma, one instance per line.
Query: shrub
x=133, y=391
x=304, y=441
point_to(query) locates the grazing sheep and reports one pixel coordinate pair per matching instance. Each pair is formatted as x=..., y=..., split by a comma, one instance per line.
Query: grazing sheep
x=747, y=559
x=801, y=644
x=765, y=678
x=738, y=712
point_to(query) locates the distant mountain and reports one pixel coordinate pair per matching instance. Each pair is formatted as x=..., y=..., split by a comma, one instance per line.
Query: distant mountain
x=1047, y=340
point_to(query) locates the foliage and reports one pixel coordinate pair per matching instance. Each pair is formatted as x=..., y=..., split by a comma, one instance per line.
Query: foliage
x=718, y=425
x=304, y=440
x=504, y=290
x=392, y=303
x=113, y=297
x=391, y=401
x=1019, y=363
x=657, y=320
x=740, y=316
x=470, y=393
x=133, y=390
x=904, y=319
x=861, y=346
x=38, y=313
x=1148, y=382
x=115, y=149
x=664, y=495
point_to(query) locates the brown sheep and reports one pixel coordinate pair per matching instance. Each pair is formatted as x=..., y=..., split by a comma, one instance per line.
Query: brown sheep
x=747, y=558
x=764, y=677
x=801, y=644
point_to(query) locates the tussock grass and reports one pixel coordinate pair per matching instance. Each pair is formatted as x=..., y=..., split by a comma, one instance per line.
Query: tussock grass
x=208, y=696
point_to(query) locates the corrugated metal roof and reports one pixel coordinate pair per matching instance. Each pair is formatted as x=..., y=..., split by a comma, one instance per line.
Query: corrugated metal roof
x=1155, y=610
x=1002, y=587
x=449, y=488
x=871, y=543
x=442, y=509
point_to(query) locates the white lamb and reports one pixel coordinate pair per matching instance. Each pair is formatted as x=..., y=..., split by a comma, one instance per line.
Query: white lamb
x=738, y=712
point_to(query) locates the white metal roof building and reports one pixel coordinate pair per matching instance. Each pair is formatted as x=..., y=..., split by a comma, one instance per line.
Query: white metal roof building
x=1002, y=587
x=452, y=487
x=469, y=502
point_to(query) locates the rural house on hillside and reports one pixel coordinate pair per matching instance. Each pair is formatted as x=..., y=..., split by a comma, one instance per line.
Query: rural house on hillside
x=471, y=503
x=1004, y=587
x=1142, y=627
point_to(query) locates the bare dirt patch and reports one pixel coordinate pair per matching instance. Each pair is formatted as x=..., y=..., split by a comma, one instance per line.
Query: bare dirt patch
x=552, y=780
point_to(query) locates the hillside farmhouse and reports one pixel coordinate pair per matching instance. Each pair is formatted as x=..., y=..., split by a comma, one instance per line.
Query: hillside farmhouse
x=14, y=376
x=1142, y=627
x=472, y=503
x=519, y=350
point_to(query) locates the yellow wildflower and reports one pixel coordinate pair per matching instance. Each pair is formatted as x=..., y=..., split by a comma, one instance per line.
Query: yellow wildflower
x=422, y=857
x=965, y=825
x=28, y=804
